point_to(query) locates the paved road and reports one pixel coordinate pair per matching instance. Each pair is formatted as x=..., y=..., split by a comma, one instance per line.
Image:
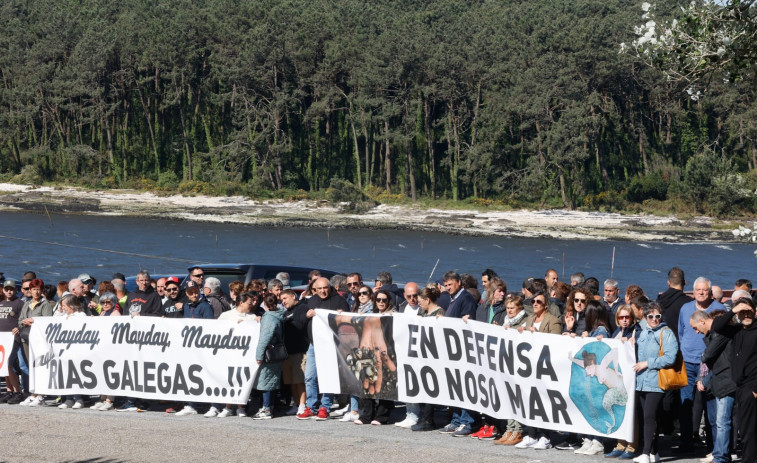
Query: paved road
x=47, y=434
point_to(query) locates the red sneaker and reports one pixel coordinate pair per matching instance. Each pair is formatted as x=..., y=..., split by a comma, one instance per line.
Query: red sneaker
x=323, y=414
x=477, y=435
x=488, y=433
x=306, y=415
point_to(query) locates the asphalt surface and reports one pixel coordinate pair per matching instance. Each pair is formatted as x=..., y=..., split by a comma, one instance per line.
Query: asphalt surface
x=47, y=434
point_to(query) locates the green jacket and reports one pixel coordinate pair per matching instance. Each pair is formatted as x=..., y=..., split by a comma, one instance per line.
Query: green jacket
x=271, y=332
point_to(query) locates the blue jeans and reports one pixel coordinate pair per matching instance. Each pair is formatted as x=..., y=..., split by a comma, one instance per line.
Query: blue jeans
x=719, y=412
x=413, y=411
x=267, y=400
x=462, y=416
x=685, y=415
x=311, y=384
x=354, y=405
x=23, y=366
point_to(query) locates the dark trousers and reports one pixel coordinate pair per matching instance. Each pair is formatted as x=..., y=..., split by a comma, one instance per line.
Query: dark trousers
x=747, y=423
x=378, y=410
x=650, y=404
x=427, y=414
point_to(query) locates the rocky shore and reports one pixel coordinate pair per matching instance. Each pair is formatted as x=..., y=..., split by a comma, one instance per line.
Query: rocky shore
x=556, y=223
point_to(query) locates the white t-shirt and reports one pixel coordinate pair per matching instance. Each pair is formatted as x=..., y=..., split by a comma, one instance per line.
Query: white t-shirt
x=236, y=315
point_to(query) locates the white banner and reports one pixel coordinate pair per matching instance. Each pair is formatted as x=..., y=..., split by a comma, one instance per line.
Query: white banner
x=6, y=347
x=145, y=357
x=555, y=382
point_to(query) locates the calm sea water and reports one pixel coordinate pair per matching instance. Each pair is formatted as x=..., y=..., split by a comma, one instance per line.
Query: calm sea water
x=101, y=245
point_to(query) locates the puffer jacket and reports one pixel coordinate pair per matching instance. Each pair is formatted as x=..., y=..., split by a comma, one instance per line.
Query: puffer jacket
x=648, y=349
x=271, y=332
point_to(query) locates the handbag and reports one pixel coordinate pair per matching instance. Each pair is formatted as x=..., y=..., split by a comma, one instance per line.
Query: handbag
x=275, y=353
x=23, y=333
x=673, y=377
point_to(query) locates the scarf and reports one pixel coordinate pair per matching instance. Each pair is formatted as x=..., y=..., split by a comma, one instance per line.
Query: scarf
x=366, y=308
x=515, y=319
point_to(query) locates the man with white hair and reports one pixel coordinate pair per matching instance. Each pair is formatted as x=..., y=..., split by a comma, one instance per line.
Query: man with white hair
x=284, y=278
x=212, y=291
x=692, y=346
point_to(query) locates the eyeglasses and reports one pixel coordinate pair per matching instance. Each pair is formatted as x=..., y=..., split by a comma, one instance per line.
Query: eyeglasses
x=654, y=316
x=624, y=317
x=25, y=288
x=579, y=301
x=354, y=283
x=538, y=302
x=199, y=275
x=106, y=302
x=364, y=293
x=382, y=299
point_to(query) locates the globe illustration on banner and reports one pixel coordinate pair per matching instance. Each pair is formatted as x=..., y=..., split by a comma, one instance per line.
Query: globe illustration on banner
x=596, y=387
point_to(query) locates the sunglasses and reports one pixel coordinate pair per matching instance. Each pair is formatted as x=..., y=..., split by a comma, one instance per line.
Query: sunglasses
x=172, y=289
x=538, y=302
x=199, y=275
x=107, y=302
x=25, y=288
x=624, y=317
x=364, y=293
x=654, y=316
x=353, y=284
x=579, y=301
x=382, y=299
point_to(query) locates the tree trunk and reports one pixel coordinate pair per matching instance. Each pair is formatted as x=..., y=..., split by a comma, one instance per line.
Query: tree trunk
x=388, y=159
x=430, y=146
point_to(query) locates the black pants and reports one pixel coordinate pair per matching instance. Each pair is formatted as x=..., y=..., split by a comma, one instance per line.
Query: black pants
x=378, y=410
x=650, y=403
x=427, y=414
x=747, y=423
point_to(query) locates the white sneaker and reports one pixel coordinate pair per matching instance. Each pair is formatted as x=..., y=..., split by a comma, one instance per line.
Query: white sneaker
x=339, y=412
x=350, y=417
x=241, y=412
x=187, y=410
x=27, y=401
x=595, y=448
x=226, y=412
x=97, y=405
x=106, y=406
x=67, y=404
x=584, y=447
x=37, y=401
x=643, y=458
x=543, y=444
x=407, y=423
x=211, y=413
x=77, y=405
x=527, y=442
x=301, y=409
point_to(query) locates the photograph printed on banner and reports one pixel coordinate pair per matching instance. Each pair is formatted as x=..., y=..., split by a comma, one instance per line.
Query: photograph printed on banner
x=366, y=356
x=596, y=386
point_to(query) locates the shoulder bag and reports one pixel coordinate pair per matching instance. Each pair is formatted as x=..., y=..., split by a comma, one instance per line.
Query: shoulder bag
x=674, y=377
x=275, y=353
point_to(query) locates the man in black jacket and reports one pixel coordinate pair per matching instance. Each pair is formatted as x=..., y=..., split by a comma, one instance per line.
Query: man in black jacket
x=743, y=369
x=325, y=297
x=297, y=343
x=718, y=383
x=672, y=299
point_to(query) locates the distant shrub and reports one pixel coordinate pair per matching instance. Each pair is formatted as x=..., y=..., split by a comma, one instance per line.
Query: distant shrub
x=168, y=180
x=652, y=186
x=348, y=197
x=29, y=175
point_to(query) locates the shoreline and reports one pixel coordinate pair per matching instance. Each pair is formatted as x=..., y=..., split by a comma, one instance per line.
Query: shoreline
x=556, y=223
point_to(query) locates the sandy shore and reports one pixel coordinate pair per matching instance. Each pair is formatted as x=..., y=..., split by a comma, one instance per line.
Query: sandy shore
x=561, y=224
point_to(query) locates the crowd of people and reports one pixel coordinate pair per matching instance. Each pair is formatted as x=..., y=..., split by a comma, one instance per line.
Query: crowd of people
x=716, y=338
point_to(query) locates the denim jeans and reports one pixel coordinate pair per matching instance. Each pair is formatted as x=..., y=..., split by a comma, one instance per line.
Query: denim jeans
x=719, y=411
x=268, y=400
x=23, y=366
x=311, y=384
x=462, y=416
x=413, y=411
x=354, y=404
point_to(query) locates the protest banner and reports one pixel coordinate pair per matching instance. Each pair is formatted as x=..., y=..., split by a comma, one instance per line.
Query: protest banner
x=549, y=381
x=6, y=346
x=145, y=357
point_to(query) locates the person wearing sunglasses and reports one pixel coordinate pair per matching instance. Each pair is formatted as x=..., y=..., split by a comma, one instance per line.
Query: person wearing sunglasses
x=655, y=336
x=575, y=312
x=173, y=307
x=363, y=300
